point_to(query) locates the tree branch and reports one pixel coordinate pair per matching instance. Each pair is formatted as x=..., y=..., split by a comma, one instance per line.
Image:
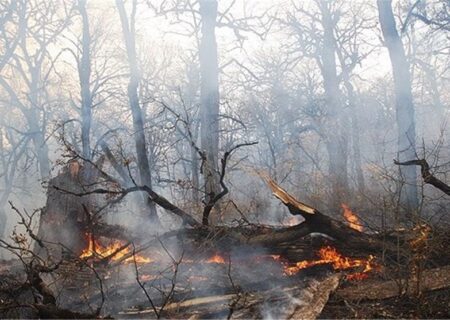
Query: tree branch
x=426, y=174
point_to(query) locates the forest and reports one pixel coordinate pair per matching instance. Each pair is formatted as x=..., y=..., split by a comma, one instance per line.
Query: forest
x=232, y=159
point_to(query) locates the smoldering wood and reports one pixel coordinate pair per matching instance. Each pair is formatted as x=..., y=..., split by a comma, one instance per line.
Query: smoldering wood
x=66, y=219
x=317, y=298
x=225, y=238
x=305, y=300
x=65, y=212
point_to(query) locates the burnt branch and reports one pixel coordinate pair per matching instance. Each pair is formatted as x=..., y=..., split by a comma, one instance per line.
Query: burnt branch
x=295, y=207
x=427, y=176
x=136, y=269
x=155, y=197
x=213, y=200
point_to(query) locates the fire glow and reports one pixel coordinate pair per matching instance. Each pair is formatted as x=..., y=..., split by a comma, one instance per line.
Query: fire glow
x=351, y=218
x=117, y=250
x=329, y=255
x=216, y=259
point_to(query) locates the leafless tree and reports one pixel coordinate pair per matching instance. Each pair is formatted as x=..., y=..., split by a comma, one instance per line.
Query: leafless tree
x=128, y=29
x=404, y=104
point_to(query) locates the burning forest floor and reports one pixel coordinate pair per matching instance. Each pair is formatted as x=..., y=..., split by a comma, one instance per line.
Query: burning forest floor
x=319, y=268
x=242, y=283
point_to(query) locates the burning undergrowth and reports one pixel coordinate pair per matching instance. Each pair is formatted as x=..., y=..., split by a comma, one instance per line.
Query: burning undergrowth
x=140, y=276
x=170, y=273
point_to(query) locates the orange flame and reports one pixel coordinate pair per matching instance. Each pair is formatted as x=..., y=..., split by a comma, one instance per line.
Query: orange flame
x=329, y=255
x=216, y=259
x=351, y=218
x=117, y=250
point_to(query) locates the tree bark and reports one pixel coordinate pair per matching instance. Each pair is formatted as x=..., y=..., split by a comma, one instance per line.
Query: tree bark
x=84, y=72
x=209, y=95
x=337, y=143
x=404, y=105
x=136, y=111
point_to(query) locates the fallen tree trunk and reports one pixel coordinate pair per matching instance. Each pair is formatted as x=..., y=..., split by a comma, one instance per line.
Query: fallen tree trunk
x=317, y=300
x=227, y=238
x=290, y=303
x=302, y=301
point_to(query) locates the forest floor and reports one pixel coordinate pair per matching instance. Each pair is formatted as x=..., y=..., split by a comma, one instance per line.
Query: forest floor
x=430, y=305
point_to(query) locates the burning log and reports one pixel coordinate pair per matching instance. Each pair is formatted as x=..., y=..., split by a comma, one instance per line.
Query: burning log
x=315, y=221
x=329, y=255
x=116, y=251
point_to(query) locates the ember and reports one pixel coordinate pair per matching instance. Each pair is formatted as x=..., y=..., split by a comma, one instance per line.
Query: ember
x=351, y=218
x=216, y=259
x=117, y=250
x=329, y=255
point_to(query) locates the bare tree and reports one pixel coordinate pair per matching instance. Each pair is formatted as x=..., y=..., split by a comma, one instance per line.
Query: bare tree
x=84, y=72
x=209, y=110
x=314, y=27
x=31, y=67
x=404, y=105
x=128, y=29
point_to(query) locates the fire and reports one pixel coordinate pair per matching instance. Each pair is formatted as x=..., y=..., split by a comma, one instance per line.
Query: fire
x=329, y=255
x=216, y=259
x=117, y=250
x=351, y=218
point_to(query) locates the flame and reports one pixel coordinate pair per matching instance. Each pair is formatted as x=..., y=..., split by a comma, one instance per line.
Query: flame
x=329, y=255
x=117, y=250
x=351, y=218
x=216, y=259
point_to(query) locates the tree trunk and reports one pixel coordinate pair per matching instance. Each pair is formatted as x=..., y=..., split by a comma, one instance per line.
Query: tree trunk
x=84, y=72
x=136, y=112
x=209, y=92
x=337, y=143
x=355, y=136
x=404, y=106
x=38, y=130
